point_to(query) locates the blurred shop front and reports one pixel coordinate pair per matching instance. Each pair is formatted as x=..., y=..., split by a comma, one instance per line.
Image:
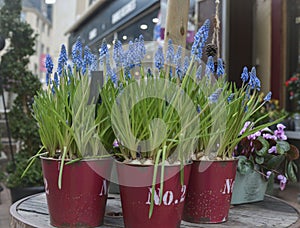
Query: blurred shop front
x=117, y=19
x=124, y=20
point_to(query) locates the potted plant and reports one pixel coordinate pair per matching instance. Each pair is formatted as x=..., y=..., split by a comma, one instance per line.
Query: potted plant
x=263, y=155
x=76, y=166
x=224, y=108
x=153, y=120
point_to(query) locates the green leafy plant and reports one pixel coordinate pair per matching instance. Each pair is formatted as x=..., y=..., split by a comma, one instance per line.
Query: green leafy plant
x=12, y=176
x=268, y=153
x=19, y=80
x=68, y=116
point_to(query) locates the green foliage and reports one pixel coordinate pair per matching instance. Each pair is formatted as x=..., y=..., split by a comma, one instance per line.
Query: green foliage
x=268, y=152
x=19, y=80
x=32, y=178
x=21, y=38
x=22, y=124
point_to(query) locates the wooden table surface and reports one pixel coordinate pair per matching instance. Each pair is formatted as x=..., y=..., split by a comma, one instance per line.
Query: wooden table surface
x=272, y=212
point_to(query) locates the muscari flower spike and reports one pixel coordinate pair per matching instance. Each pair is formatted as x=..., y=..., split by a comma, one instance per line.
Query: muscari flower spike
x=131, y=56
x=210, y=66
x=111, y=74
x=177, y=61
x=56, y=80
x=245, y=75
x=118, y=53
x=213, y=98
x=49, y=64
x=200, y=40
x=141, y=47
x=230, y=98
x=88, y=59
x=103, y=52
x=159, y=58
x=77, y=54
x=268, y=96
x=170, y=52
x=185, y=64
x=49, y=67
x=254, y=81
x=62, y=60
x=199, y=72
x=220, y=67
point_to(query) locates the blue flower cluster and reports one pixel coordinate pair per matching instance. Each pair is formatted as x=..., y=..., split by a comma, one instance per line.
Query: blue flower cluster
x=77, y=54
x=200, y=40
x=89, y=62
x=159, y=58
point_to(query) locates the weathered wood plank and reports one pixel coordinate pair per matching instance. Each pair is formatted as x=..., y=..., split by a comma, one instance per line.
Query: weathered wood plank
x=272, y=212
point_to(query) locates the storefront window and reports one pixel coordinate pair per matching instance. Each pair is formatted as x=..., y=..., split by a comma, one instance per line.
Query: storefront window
x=293, y=43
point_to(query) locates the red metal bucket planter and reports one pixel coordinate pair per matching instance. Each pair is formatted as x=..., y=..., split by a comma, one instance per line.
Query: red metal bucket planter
x=135, y=191
x=209, y=191
x=81, y=200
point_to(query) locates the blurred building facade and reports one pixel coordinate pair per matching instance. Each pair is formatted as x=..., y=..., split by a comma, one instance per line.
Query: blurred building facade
x=39, y=16
x=260, y=33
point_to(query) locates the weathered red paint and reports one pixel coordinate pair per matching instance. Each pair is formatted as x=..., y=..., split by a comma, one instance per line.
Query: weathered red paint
x=135, y=197
x=209, y=191
x=81, y=200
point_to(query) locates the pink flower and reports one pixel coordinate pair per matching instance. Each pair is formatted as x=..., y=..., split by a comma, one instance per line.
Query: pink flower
x=116, y=143
x=268, y=174
x=272, y=150
x=246, y=125
x=282, y=180
x=280, y=132
x=281, y=127
x=269, y=136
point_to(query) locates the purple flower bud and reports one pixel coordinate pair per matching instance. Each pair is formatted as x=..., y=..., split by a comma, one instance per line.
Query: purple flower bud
x=282, y=180
x=272, y=150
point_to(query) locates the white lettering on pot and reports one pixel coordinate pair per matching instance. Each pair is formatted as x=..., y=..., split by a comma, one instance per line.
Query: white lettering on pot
x=103, y=188
x=46, y=186
x=167, y=197
x=156, y=196
x=183, y=192
x=228, y=186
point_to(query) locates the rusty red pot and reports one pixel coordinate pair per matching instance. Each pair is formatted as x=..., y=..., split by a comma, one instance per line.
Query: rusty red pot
x=209, y=191
x=82, y=198
x=135, y=191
